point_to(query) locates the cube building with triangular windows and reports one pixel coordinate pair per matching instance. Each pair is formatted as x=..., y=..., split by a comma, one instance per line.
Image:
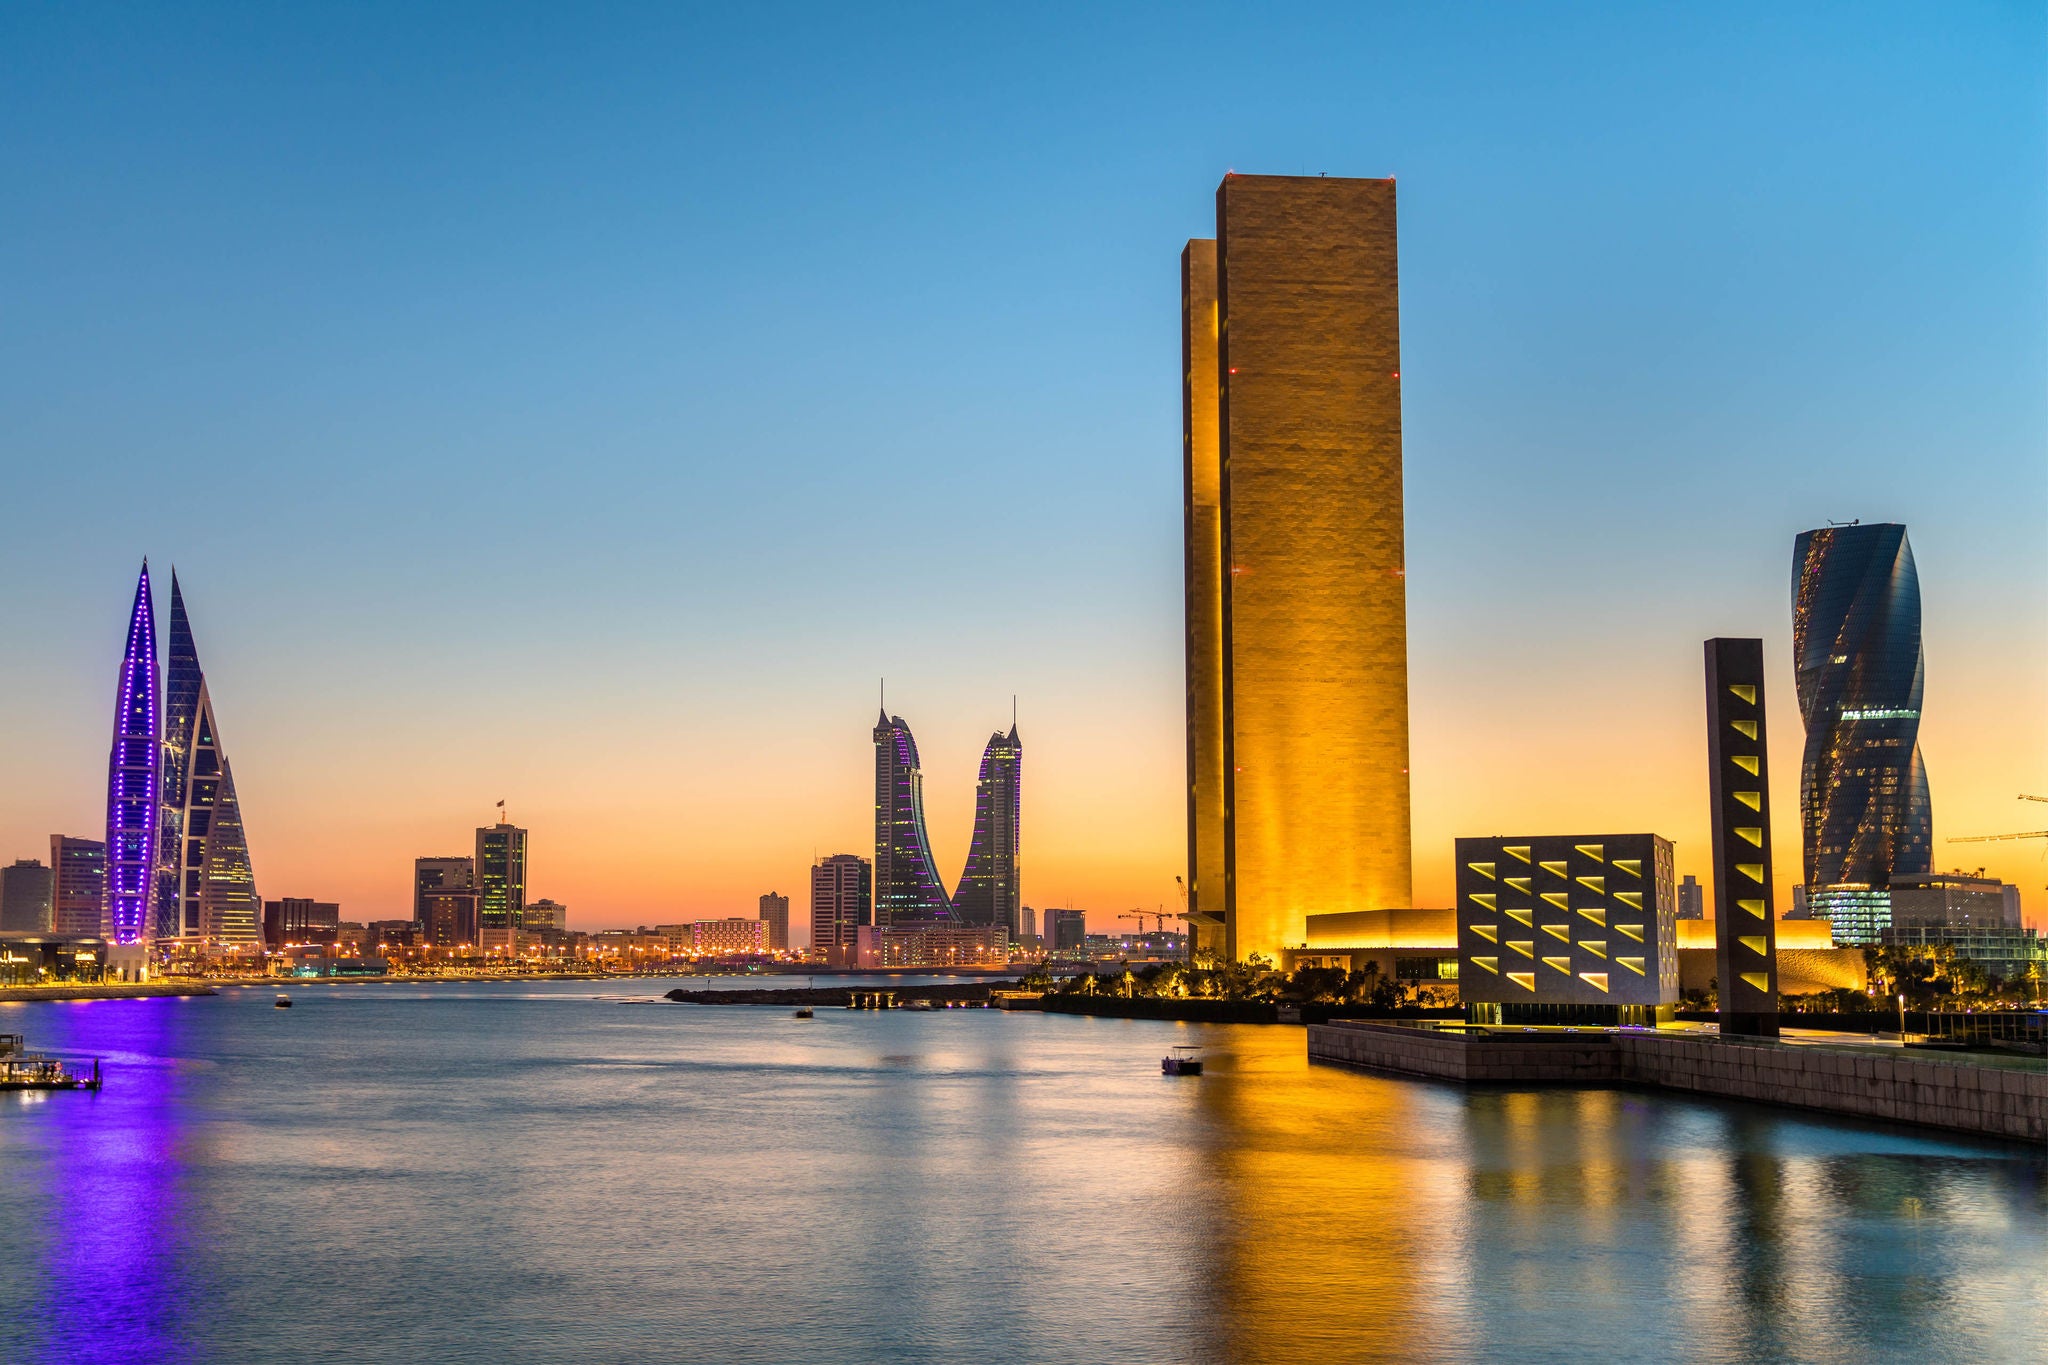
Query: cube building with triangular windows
x=1576, y=928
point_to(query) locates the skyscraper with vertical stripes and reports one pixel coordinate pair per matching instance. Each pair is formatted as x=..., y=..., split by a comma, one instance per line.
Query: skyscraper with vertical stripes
x=988, y=890
x=907, y=885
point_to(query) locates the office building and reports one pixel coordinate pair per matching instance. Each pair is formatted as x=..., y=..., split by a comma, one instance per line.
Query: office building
x=78, y=886
x=545, y=916
x=842, y=893
x=1567, y=927
x=775, y=914
x=440, y=887
x=728, y=937
x=907, y=886
x=1954, y=900
x=205, y=881
x=301, y=919
x=1863, y=799
x=1692, y=898
x=25, y=897
x=988, y=891
x=134, y=792
x=1739, y=796
x=1066, y=931
x=1030, y=924
x=1296, y=602
x=500, y=884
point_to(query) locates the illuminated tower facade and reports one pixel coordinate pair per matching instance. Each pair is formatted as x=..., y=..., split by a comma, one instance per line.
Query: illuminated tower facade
x=134, y=773
x=206, y=883
x=906, y=886
x=987, y=893
x=500, y=884
x=1858, y=670
x=1297, y=635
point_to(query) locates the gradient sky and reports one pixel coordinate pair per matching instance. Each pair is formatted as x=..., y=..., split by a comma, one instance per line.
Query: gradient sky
x=584, y=406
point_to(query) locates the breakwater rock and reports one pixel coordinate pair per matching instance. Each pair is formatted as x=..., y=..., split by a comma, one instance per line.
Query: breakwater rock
x=968, y=993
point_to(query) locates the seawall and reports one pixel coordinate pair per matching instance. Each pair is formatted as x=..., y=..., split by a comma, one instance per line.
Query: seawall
x=1959, y=1092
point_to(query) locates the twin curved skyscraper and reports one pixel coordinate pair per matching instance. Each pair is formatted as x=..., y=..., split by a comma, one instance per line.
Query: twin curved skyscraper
x=907, y=885
x=178, y=866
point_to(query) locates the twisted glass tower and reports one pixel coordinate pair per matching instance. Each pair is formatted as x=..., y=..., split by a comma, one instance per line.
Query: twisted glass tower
x=133, y=775
x=987, y=892
x=1859, y=673
x=906, y=886
x=206, y=884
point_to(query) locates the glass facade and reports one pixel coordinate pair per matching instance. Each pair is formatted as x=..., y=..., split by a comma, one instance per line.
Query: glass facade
x=907, y=887
x=500, y=877
x=1859, y=673
x=134, y=774
x=205, y=882
x=987, y=894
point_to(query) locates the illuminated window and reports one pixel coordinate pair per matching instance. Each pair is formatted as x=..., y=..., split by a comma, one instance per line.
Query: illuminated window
x=1483, y=869
x=1744, y=691
x=1489, y=932
x=1754, y=800
x=1749, y=763
x=1755, y=907
x=1491, y=964
x=1598, y=884
x=1516, y=851
x=1526, y=980
x=1598, y=917
x=1634, y=964
x=1593, y=851
x=1753, y=871
x=1746, y=728
x=1634, y=931
x=1556, y=867
x=1521, y=884
x=1556, y=898
x=1558, y=931
x=1597, y=980
x=1632, y=866
x=1563, y=964
x=1758, y=980
x=1525, y=947
x=1484, y=898
x=1525, y=918
x=1752, y=834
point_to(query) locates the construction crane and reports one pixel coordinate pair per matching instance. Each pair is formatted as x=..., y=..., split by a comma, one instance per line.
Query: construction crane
x=1993, y=838
x=1142, y=915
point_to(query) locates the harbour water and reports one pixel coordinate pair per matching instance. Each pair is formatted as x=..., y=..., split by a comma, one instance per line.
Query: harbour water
x=580, y=1171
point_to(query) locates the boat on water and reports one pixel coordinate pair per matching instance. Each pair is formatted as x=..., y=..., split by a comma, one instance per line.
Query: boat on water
x=1182, y=1061
x=803, y=1014
x=283, y=1002
x=21, y=1069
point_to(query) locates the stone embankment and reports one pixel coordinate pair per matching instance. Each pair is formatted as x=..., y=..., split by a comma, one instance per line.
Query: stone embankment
x=958, y=993
x=1962, y=1092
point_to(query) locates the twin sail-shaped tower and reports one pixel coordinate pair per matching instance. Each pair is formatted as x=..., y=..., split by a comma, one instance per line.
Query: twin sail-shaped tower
x=178, y=868
x=907, y=885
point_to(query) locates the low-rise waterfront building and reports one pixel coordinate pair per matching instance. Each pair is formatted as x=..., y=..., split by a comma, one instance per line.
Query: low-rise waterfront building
x=544, y=915
x=733, y=936
x=939, y=943
x=300, y=919
x=1560, y=927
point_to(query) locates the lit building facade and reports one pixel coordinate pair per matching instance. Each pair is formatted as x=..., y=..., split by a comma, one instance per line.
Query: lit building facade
x=907, y=886
x=939, y=943
x=500, y=884
x=1739, y=797
x=988, y=891
x=1587, y=922
x=775, y=914
x=301, y=919
x=1864, y=806
x=134, y=789
x=723, y=937
x=1692, y=898
x=545, y=916
x=1066, y=931
x=78, y=886
x=205, y=880
x=1296, y=598
x=842, y=900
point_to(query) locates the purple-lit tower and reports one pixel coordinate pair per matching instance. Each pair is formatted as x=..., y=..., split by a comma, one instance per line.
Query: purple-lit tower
x=133, y=775
x=907, y=887
x=987, y=893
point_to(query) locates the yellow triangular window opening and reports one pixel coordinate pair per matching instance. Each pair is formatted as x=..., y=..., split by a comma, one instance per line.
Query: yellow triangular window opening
x=1634, y=931
x=1556, y=866
x=1526, y=980
x=1753, y=835
x=1634, y=964
x=1598, y=884
x=1632, y=866
x=1491, y=964
x=1556, y=898
x=1521, y=884
x=1746, y=728
x=1598, y=917
x=1632, y=899
x=1489, y=932
x=1753, y=871
x=1516, y=851
x=1744, y=691
x=1563, y=964
x=1483, y=869
x=1596, y=946
x=1485, y=898
x=1559, y=931
x=1749, y=763
x=1754, y=907
x=1753, y=942
x=1525, y=918
x=1524, y=946
x=1756, y=980
x=1754, y=800
x=1597, y=980
x=1593, y=851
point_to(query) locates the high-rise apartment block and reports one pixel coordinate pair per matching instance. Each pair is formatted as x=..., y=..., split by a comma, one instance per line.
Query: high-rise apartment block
x=1692, y=898
x=842, y=895
x=1587, y=921
x=775, y=915
x=988, y=893
x=1863, y=798
x=1296, y=599
x=500, y=884
x=78, y=886
x=25, y=897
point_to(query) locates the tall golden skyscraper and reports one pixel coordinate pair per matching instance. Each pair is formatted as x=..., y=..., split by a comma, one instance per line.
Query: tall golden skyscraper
x=1297, y=618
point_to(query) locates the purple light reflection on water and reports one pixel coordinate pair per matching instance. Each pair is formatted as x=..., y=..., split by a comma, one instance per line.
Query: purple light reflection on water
x=110, y=1277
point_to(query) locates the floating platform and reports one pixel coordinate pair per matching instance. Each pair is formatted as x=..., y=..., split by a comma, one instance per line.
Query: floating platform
x=24, y=1070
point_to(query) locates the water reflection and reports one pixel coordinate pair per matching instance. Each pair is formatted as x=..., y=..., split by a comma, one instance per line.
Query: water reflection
x=539, y=1174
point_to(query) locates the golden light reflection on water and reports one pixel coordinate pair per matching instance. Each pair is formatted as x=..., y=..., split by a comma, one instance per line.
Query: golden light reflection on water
x=1365, y=1217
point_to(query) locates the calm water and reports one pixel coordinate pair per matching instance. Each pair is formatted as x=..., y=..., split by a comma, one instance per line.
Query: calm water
x=577, y=1172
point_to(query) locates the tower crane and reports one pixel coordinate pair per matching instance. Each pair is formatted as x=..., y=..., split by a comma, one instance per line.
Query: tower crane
x=1992, y=838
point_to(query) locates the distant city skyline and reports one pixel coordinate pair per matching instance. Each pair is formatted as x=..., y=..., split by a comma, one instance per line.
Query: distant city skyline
x=547, y=456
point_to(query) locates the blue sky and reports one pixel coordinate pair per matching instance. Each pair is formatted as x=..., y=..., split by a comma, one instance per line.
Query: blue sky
x=585, y=405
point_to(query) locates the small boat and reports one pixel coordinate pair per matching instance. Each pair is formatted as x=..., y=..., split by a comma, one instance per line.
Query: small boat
x=283, y=1002
x=803, y=1014
x=1182, y=1061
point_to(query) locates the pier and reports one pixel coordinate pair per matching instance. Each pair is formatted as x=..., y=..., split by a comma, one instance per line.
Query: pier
x=24, y=1070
